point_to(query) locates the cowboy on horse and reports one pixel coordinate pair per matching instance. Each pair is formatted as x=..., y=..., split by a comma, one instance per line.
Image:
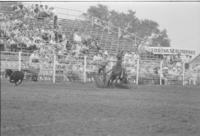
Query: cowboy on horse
x=118, y=72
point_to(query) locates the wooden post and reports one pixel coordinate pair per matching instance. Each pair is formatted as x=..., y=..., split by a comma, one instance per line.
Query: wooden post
x=54, y=68
x=20, y=61
x=183, y=74
x=135, y=41
x=92, y=21
x=161, y=71
x=119, y=32
x=137, y=74
x=85, y=69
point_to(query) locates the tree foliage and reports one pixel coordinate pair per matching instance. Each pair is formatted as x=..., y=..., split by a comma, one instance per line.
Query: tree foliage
x=129, y=23
x=99, y=11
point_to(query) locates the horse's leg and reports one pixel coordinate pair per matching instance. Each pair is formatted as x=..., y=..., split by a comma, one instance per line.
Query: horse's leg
x=11, y=81
x=109, y=81
x=20, y=81
x=118, y=80
x=16, y=83
x=112, y=81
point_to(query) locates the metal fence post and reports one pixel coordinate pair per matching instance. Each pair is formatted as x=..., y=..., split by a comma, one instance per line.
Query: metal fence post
x=161, y=71
x=137, y=74
x=183, y=74
x=54, y=68
x=84, y=68
x=20, y=61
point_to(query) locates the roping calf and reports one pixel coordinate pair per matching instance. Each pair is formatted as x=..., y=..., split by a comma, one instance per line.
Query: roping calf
x=15, y=76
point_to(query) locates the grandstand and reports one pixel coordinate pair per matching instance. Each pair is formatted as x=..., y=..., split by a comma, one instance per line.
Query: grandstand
x=108, y=40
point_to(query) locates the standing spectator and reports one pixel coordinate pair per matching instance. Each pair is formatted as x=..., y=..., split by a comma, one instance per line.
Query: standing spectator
x=46, y=8
x=41, y=8
x=55, y=22
x=68, y=45
x=36, y=10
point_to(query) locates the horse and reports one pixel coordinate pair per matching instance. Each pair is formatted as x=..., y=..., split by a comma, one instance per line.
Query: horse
x=117, y=72
x=15, y=76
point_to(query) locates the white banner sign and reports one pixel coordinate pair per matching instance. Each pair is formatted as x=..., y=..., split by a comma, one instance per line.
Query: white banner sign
x=168, y=50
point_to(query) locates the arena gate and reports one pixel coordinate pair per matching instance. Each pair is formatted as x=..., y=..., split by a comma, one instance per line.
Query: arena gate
x=149, y=72
x=21, y=61
x=14, y=61
x=66, y=68
x=9, y=60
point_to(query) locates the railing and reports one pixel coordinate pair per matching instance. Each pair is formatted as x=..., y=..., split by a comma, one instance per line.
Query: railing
x=83, y=69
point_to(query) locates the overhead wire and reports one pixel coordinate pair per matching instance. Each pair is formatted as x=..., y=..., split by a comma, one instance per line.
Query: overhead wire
x=69, y=9
x=131, y=34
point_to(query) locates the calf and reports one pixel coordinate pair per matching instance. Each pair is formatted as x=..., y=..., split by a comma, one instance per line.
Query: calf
x=8, y=73
x=17, y=77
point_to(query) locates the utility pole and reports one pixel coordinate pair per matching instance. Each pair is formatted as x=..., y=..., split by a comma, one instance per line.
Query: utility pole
x=56, y=28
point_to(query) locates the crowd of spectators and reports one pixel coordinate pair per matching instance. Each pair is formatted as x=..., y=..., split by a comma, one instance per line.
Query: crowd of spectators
x=25, y=30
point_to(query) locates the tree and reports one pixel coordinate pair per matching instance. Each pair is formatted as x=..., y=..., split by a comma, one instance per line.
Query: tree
x=99, y=11
x=146, y=28
x=122, y=20
x=161, y=40
x=129, y=23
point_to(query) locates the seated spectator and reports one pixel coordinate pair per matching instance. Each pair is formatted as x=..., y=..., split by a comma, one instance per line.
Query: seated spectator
x=77, y=37
x=68, y=45
x=21, y=6
x=15, y=8
x=22, y=46
x=36, y=10
x=95, y=45
x=46, y=37
x=60, y=37
x=84, y=49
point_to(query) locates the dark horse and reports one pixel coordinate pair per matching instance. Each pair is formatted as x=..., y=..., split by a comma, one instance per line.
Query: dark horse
x=15, y=76
x=117, y=72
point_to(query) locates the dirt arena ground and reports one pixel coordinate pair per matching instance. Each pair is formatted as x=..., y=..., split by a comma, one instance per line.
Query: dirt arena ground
x=44, y=109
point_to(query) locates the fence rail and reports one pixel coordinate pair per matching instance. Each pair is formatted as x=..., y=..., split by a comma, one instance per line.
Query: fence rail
x=83, y=70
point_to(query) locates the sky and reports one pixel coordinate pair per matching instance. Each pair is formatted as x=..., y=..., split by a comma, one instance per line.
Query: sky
x=180, y=19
